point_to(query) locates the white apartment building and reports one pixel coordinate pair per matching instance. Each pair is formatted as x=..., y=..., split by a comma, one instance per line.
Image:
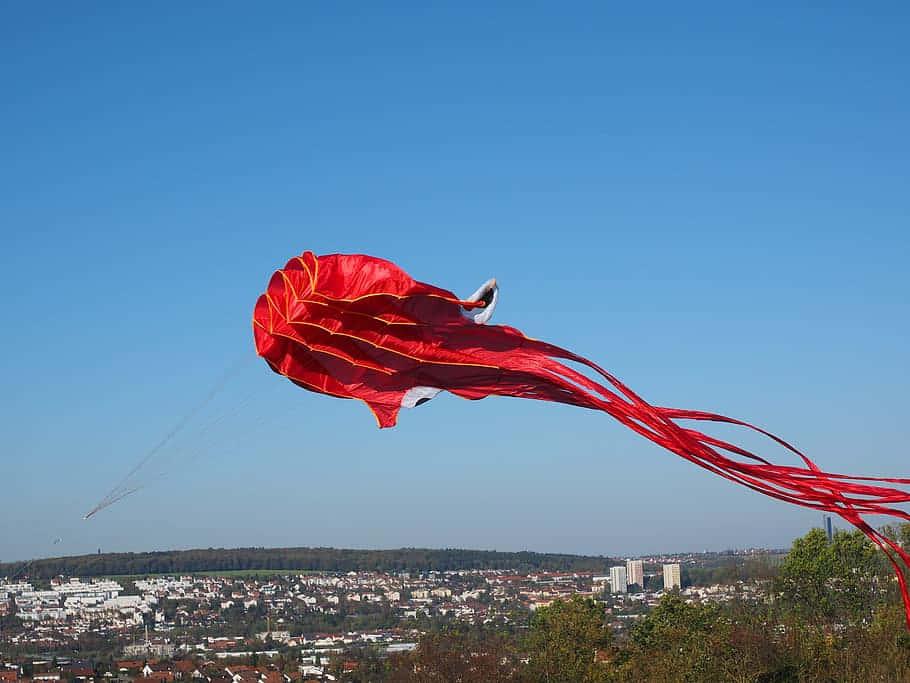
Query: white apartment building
x=618, y=583
x=671, y=576
x=635, y=572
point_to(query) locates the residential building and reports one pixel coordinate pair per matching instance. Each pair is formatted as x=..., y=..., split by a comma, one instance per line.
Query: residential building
x=618, y=583
x=671, y=576
x=635, y=572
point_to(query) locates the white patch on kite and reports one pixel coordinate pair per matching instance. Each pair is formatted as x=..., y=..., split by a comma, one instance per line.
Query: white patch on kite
x=417, y=395
x=488, y=292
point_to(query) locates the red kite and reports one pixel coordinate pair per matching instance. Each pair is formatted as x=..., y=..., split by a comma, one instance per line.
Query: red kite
x=355, y=326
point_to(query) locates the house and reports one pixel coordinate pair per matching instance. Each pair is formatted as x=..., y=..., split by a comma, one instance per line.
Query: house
x=157, y=675
x=187, y=669
x=274, y=677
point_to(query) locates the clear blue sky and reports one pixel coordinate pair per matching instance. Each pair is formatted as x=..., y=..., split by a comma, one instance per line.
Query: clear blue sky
x=711, y=202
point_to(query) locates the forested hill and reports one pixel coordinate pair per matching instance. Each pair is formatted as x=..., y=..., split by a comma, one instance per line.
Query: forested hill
x=290, y=559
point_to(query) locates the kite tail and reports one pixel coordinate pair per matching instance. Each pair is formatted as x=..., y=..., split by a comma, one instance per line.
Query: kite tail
x=850, y=497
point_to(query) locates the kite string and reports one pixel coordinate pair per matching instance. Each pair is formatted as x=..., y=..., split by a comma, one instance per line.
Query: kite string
x=121, y=490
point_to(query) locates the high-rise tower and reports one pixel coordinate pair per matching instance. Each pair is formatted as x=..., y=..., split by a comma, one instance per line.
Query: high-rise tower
x=635, y=572
x=618, y=583
x=671, y=576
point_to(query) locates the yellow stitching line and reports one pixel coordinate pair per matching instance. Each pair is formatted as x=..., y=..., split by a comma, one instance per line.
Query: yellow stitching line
x=316, y=388
x=453, y=300
x=256, y=322
x=347, y=312
x=320, y=390
x=288, y=285
x=309, y=273
x=377, y=346
x=274, y=309
x=331, y=393
x=396, y=352
x=365, y=296
x=367, y=341
x=300, y=299
x=313, y=281
x=351, y=361
x=287, y=299
x=271, y=306
x=377, y=368
x=350, y=336
x=287, y=317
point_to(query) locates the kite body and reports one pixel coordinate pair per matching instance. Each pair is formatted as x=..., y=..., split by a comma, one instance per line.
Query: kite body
x=355, y=326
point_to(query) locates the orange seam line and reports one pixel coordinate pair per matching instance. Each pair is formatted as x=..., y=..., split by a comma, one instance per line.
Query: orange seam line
x=453, y=300
x=330, y=393
x=309, y=273
x=272, y=305
x=288, y=285
x=351, y=361
x=396, y=352
x=367, y=341
x=313, y=291
x=364, y=315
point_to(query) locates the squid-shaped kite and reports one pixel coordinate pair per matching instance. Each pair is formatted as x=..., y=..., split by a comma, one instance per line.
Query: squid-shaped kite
x=355, y=326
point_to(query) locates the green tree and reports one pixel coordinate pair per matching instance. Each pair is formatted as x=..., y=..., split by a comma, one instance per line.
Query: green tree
x=672, y=643
x=836, y=582
x=899, y=533
x=563, y=641
x=472, y=657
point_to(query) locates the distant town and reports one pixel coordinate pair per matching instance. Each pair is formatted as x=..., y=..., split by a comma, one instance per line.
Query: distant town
x=279, y=626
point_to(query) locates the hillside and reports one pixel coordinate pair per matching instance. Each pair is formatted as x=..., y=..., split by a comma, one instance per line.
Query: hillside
x=300, y=559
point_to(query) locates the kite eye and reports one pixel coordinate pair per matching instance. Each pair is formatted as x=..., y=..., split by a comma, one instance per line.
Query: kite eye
x=488, y=294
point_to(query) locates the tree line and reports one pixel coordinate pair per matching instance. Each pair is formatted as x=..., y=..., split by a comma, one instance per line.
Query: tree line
x=299, y=559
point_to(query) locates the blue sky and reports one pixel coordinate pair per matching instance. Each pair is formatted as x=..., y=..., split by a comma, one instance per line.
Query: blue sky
x=709, y=201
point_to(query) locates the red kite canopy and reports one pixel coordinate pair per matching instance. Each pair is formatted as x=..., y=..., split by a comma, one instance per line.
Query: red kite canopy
x=356, y=326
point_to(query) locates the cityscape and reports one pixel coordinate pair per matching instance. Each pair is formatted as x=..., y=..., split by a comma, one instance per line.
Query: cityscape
x=217, y=625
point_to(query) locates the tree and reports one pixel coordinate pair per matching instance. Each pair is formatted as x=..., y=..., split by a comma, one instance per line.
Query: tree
x=474, y=657
x=563, y=641
x=672, y=643
x=827, y=583
x=899, y=533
